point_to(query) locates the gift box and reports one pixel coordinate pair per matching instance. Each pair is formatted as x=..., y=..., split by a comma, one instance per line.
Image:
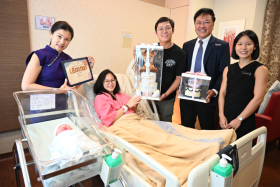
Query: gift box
x=148, y=71
x=194, y=86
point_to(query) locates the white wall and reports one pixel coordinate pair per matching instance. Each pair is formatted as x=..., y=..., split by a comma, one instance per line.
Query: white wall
x=7, y=140
x=179, y=12
x=98, y=27
x=251, y=10
x=259, y=18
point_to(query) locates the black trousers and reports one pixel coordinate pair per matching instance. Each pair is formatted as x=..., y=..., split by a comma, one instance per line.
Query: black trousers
x=191, y=109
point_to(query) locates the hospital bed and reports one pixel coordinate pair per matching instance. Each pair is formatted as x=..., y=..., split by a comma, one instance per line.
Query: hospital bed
x=80, y=113
x=250, y=158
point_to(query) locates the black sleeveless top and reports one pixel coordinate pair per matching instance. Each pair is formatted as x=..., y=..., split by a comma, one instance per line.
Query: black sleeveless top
x=239, y=92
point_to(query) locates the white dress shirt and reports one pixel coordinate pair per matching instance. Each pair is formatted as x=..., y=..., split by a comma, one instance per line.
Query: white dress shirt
x=196, y=47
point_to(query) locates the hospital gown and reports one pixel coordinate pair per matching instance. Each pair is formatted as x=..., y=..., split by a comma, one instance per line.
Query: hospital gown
x=106, y=108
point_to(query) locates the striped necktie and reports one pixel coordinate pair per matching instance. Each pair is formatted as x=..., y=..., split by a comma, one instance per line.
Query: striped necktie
x=197, y=66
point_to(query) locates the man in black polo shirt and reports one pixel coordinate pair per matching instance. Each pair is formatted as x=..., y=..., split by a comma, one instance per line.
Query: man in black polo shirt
x=174, y=64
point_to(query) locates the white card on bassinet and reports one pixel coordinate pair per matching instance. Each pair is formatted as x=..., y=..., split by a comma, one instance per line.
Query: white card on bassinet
x=42, y=101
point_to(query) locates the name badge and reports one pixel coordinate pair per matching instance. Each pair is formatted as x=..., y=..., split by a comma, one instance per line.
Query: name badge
x=246, y=73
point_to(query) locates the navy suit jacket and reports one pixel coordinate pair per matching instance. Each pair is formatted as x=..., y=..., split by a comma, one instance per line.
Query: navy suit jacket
x=216, y=58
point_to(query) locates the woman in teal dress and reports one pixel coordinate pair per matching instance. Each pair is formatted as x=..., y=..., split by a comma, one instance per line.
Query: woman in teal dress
x=243, y=86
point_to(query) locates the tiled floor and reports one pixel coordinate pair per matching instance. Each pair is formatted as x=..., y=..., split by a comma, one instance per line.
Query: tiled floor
x=270, y=174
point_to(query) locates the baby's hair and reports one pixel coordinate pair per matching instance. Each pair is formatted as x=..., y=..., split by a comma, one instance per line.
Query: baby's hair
x=56, y=129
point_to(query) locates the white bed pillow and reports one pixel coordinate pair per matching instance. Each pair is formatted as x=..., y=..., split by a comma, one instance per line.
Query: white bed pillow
x=90, y=95
x=274, y=88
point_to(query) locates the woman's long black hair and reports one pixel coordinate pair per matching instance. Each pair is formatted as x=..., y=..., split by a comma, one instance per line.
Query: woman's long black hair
x=98, y=86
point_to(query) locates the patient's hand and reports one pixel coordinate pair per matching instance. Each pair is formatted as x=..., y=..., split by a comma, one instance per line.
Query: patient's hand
x=134, y=101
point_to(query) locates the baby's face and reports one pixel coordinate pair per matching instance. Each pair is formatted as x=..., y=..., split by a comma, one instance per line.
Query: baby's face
x=63, y=127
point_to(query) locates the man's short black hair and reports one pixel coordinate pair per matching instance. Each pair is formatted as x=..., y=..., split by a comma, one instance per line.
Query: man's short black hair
x=205, y=11
x=98, y=86
x=252, y=35
x=164, y=19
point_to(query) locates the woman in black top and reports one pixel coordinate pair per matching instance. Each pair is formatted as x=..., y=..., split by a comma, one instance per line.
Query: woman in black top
x=243, y=86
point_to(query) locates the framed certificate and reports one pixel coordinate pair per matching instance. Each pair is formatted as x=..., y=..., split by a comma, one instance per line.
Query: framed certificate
x=77, y=71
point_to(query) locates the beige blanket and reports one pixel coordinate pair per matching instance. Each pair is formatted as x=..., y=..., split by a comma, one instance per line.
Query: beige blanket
x=179, y=152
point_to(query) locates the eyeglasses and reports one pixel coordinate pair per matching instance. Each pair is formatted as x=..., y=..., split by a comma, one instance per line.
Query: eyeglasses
x=111, y=81
x=167, y=29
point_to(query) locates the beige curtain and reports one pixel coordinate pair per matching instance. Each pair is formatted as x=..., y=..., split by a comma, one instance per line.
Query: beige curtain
x=270, y=44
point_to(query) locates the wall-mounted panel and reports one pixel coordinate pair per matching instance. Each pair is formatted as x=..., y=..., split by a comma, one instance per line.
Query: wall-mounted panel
x=14, y=48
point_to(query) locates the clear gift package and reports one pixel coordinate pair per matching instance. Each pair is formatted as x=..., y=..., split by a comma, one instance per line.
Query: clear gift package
x=148, y=71
x=194, y=86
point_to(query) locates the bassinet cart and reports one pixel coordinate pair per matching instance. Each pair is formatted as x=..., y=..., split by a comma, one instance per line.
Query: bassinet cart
x=40, y=112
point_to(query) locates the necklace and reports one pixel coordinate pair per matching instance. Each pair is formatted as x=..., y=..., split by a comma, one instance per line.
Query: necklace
x=54, y=60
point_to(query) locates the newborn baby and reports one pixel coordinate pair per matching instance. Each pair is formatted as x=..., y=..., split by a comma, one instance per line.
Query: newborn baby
x=68, y=141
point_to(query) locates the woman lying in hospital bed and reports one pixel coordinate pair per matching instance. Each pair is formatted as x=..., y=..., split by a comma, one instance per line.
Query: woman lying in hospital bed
x=179, y=149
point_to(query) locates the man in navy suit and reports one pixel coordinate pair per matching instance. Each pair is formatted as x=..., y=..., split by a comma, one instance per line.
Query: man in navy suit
x=210, y=56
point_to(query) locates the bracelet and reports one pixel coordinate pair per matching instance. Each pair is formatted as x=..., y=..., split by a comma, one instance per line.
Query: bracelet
x=125, y=109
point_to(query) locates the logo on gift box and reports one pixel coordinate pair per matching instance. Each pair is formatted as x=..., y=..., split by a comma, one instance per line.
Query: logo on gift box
x=193, y=84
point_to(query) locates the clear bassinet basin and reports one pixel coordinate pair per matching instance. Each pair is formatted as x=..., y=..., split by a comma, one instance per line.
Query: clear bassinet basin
x=40, y=114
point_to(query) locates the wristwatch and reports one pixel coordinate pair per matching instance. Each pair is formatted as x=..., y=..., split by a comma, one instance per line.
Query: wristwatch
x=240, y=118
